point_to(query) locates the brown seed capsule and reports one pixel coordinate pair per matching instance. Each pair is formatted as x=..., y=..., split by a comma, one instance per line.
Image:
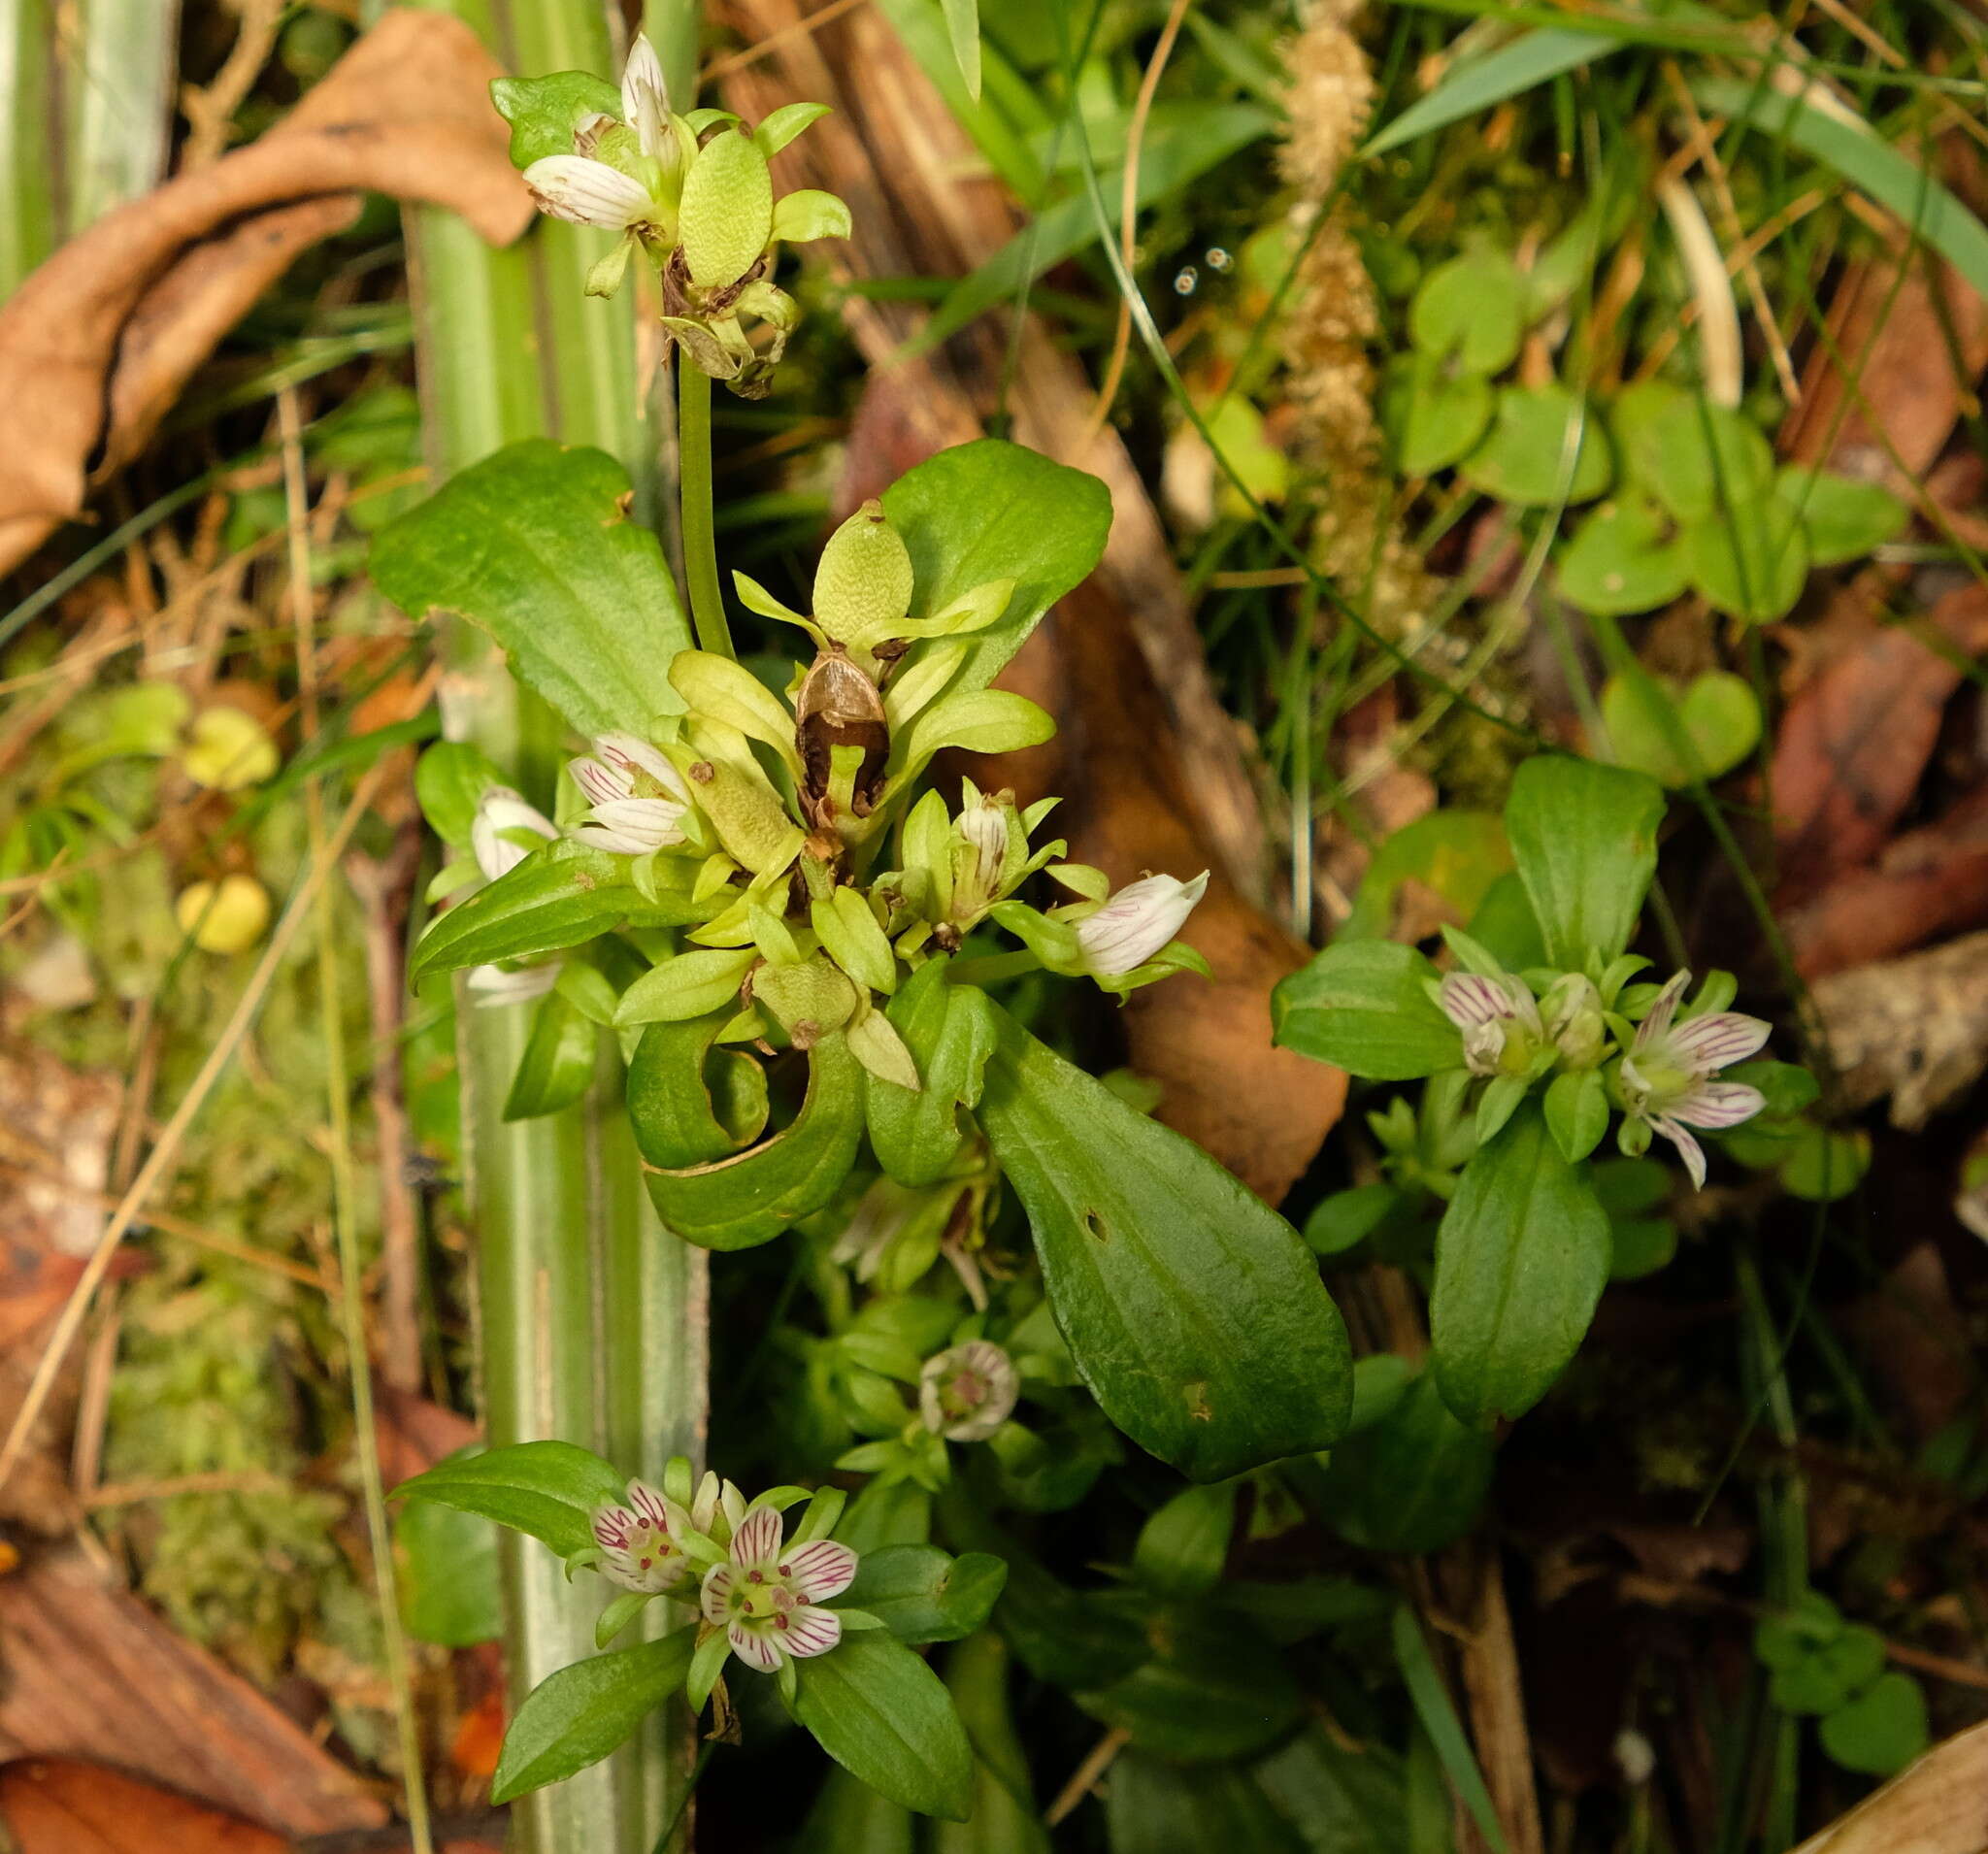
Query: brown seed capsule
x=837, y=706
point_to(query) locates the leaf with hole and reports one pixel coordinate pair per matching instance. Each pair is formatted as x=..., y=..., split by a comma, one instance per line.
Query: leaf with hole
x=1193, y=1311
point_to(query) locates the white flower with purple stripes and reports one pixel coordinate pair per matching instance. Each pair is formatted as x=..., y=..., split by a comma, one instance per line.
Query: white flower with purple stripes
x=637, y=1541
x=1499, y=1017
x=767, y=1596
x=637, y=799
x=1667, y=1076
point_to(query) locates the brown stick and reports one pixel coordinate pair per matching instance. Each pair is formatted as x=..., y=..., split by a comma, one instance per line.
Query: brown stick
x=382, y=888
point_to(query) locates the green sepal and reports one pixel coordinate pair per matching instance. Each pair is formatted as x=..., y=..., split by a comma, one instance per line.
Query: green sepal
x=619, y=1613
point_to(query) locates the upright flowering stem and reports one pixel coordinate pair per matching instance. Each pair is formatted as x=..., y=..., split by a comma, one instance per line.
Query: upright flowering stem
x=700, y=539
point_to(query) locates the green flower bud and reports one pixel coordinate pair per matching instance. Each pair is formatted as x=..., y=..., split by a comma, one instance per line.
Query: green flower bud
x=1573, y=1013
x=727, y=212
x=808, y=1001
x=863, y=586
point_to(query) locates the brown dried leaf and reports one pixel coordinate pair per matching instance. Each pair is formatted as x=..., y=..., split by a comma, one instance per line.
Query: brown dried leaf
x=1939, y=1806
x=1856, y=741
x=56, y=1805
x=94, y=1673
x=97, y=343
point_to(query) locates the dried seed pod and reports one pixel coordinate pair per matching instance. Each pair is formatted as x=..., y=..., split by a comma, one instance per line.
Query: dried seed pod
x=839, y=706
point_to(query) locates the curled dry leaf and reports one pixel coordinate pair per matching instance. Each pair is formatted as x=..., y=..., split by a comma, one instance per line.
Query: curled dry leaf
x=1937, y=1805
x=96, y=346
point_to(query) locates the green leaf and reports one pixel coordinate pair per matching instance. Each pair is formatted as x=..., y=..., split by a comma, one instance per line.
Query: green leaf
x=963, y=28
x=1701, y=461
x=549, y=1490
x=781, y=125
x=1431, y=1699
x=1192, y=1310
x=881, y=1713
x=1183, y=1547
x=557, y=1066
x=1471, y=310
x=1477, y=85
x=1585, y=841
x=1752, y=563
x=574, y=1717
x=1843, y=519
x=688, y=1104
x=544, y=111
x=949, y=1030
x=1457, y=853
x=1900, y=185
x=1004, y=1818
x=686, y=985
x=1180, y=151
x=1825, y=1165
x=808, y=213
x=450, y=779
x=1882, y=1730
x=991, y=511
x=751, y=1197
x=1624, y=558
x=1413, y=1481
x=1364, y=1006
x=448, y=1561
x=1157, y=1807
x=535, y=544
x=1718, y=714
x=1524, y=460
x=1348, y=1217
x=1213, y=1690
x=1432, y=418
x=1521, y=1258
x=557, y=897
x=922, y=1594
x=1577, y=1109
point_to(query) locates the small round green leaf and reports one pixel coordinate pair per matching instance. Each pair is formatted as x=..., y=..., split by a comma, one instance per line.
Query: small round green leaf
x=1881, y=1730
x=1623, y=559
x=1471, y=310
x=1524, y=460
x=1753, y=564
x=1699, y=460
x=1431, y=417
x=1719, y=716
x=1843, y=518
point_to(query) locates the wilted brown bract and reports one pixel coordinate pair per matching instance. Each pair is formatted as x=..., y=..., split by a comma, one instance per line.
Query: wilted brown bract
x=96, y=345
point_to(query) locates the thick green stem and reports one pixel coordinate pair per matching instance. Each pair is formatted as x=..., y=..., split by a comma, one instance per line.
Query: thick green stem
x=700, y=539
x=591, y=1319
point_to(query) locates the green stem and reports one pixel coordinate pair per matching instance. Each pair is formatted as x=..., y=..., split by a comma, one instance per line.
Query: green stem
x=699, y=538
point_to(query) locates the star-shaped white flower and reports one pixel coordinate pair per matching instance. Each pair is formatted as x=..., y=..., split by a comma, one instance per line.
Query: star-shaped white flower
x=1136, y=923
x=637, y=797
x=1667, y=1076
x=638, y=1543
x=966, y=1393
x=767, y=1596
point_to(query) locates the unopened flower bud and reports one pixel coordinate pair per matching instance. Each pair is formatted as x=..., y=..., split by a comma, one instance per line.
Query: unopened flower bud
x=1136, y=923
x=1572, y=1011
x=500, y=814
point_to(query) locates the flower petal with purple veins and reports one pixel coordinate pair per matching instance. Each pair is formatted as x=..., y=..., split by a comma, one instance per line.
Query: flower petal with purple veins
x=756, y=1649
x=569, y=187
x=629, y=755
x=715, y=1598
x=1137, y=922
x=756, y=1545
x=1717, y=1041
x=1470, y=1000
x=611, y=1528
x=1688, y=1148
x=649, y=1503
x=602, y=784
x=1656, y=1022
x=644, y=97
x=819, y=1569
x=811, y=1631
x=1717, y=1104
